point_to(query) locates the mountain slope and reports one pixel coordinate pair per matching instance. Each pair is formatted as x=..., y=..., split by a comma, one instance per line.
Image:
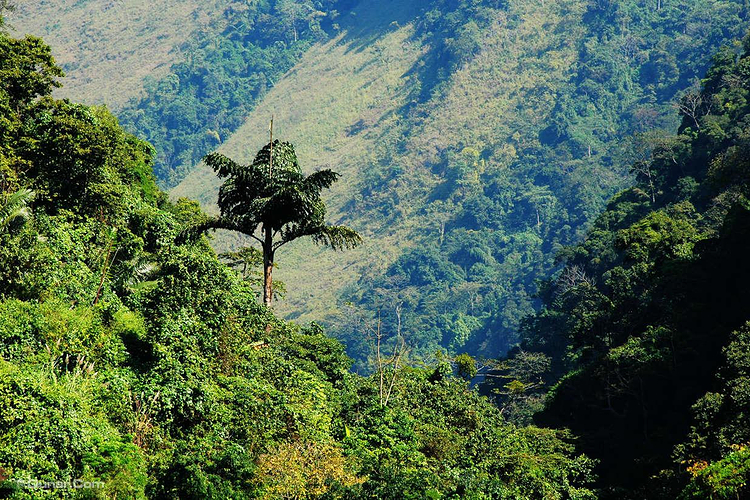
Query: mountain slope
x=343, y=106
x=503, y=132
x=135, y=366
x=476, y=138
x=227, y=69
x=647, y=324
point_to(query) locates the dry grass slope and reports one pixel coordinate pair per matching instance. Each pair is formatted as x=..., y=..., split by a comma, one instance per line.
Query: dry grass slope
x=108, y=47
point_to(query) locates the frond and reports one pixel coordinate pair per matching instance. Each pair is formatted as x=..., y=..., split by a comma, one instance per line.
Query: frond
x=322, y=179
x=15, y=208
x=285, y=160
x=246, y=225
x=251, y=255
x=292, y=204
x=222, y=165
x=136, y=271
x=337, y=237
x=281, y=199
x=144, y=270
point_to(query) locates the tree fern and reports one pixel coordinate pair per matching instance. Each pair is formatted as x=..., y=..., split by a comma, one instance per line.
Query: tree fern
x=273, y=202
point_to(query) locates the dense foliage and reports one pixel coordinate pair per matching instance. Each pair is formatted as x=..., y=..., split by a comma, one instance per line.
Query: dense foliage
x=489, y=196
x=646, y=325
x=146, y=368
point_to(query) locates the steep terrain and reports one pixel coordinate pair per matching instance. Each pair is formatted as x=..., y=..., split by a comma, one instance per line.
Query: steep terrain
x=474, y=141
x=134, y=364
x=344, y=106
x=478, y=140
x=107, y=48
x=646, y=326
x=352, y=82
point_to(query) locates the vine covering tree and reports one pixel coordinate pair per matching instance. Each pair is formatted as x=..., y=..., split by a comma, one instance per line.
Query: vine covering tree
x=273, y=202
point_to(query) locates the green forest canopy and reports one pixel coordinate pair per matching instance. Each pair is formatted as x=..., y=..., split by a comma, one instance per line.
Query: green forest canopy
x=646, y=325
x=488, y=202
x=130, y=359
x=503, y=197
x=146, y=366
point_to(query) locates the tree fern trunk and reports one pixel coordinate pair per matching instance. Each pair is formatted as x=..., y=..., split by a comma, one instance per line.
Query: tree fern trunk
x=267, y=267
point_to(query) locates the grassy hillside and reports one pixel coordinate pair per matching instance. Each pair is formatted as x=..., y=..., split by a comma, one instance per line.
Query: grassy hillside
x=108, y=47
x=343, y=106
x=229, y=67
x=475, y=140
x=355, y=81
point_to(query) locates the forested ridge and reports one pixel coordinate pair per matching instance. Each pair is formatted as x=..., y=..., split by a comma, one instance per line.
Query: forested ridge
x=646, y=326
x=230, y=65
x=476, y=138
x=509, y=194
x=136, y=359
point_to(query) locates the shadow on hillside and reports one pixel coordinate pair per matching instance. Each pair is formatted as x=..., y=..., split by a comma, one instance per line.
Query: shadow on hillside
x=370, y=20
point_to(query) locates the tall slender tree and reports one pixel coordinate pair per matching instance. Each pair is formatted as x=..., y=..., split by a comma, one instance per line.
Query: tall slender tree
x=273, y=202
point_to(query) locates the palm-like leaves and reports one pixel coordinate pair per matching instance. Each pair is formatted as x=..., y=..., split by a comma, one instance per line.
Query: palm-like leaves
x=132, y=274
x=275, y=198
x=14, y=208
x=283, y=200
